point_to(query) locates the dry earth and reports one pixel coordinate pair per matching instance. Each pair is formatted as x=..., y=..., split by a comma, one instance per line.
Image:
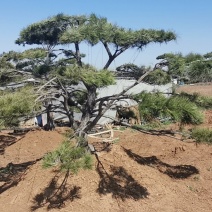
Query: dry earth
x=202, y=89
x=139, y=172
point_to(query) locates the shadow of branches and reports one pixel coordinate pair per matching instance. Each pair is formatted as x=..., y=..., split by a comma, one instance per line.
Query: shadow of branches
x=102, y=146
x=6, y=141
x=23, y=131
x=12, y=174
x=177, y=172
x=118, y=182
x=56, y=194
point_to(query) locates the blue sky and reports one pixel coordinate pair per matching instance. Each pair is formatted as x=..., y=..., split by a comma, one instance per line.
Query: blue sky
x=189, y=19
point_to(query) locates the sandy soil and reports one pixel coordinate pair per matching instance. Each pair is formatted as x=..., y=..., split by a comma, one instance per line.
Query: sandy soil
x=139, y=172
x=202, y=89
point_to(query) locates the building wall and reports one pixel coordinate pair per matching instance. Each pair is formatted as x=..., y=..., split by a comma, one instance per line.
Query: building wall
x=122, y=84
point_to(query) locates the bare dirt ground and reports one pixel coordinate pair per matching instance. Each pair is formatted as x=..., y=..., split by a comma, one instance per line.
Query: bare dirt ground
x=202, y=89
x=139, y=172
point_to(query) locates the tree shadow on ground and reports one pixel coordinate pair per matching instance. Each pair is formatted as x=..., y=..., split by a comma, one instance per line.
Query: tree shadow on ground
x=23, y=131
x=102, y=146
x=5, y=141
x=56, y=194
x=12, y=174
x=177, y=172
x=119, y=183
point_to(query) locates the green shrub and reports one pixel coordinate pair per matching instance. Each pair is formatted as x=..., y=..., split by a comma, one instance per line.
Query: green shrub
x=68, y=158
x=14, y=105
x=202, y=135
x=183, y=110
x=151, y=105
x=200, y=101
x=180, y=109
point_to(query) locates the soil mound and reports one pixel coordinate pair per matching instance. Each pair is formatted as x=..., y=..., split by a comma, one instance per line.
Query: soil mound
x=139, y=172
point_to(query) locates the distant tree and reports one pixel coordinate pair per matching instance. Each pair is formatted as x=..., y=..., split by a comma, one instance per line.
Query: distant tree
x=200, y=71
x=192, y=67
x=208, y=55
x=175, y=63
x=131, y=71
x=157, y=76
x=192, y=57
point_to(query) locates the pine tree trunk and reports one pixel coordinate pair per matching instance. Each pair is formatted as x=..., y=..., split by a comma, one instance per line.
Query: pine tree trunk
x=50, y=120
x=87, y=115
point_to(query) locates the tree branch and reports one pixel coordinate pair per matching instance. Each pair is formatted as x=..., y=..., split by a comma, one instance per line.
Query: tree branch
x=46, y=84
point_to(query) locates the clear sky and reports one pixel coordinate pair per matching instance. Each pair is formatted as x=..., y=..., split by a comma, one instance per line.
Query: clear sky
x=191, y=20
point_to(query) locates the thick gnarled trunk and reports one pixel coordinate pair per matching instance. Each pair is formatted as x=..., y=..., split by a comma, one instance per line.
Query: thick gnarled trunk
x=87, y=114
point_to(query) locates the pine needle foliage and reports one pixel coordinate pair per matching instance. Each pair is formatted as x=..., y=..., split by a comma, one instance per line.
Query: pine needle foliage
x=158, y=77
x=68, y=158
x=151, y=105
x=37, y=53
x=201, y=101
x=14, y=105
x=89, y=76
x=183, y=110
x=180, y=109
